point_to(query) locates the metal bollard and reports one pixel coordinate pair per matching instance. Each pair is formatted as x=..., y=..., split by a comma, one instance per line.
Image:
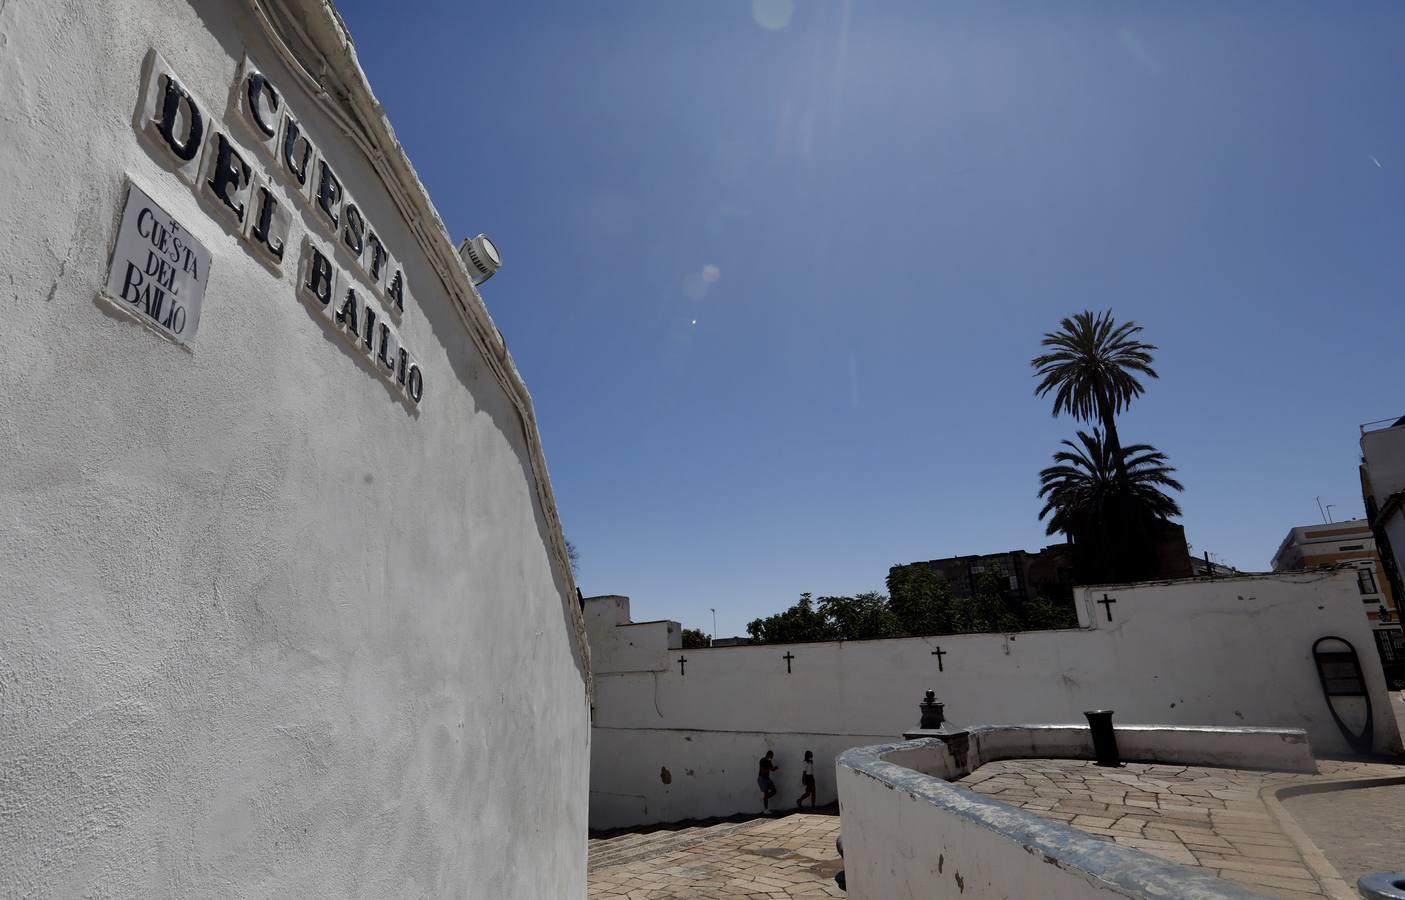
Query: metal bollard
x=1382, y=886
x=932, y=715
x=1104, y=738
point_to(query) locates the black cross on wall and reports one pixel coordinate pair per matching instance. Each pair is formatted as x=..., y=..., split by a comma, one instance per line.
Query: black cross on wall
x=939, y=653
x=788, y=657
x=1107, y=602
x=682, y=665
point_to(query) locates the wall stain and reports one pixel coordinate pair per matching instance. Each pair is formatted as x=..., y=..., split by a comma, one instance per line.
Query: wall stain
x=665, y=775
x=960, y=883
x=54, y=288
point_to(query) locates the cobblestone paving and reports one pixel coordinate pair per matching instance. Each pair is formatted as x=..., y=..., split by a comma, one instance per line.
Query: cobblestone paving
x=789, y=857
x=1209, y=818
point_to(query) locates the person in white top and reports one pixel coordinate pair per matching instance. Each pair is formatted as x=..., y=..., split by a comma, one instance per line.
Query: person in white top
x=807, y=778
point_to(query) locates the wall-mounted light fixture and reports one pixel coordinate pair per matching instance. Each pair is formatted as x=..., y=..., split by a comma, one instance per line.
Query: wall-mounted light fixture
x=481, y=256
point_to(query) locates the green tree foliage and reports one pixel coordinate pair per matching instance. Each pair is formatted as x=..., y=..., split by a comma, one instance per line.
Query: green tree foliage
x=861, y=617
x=1091, y=367
x=921, y=600
x=921, y=604
x=799, y=624
x=1042, y=614
x=693, y=638
x=988, y=609
x=1109, y=501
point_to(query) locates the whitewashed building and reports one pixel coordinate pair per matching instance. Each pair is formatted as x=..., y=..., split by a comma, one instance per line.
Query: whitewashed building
x=285, y=608
x=1348, y=544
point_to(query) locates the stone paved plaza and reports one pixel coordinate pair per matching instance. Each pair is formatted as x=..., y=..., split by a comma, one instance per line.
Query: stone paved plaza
x=1210, y=818
x=1362, y=831
x=790, y=857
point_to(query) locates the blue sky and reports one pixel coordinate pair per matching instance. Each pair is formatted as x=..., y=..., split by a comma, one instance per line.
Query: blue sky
x=774, y=273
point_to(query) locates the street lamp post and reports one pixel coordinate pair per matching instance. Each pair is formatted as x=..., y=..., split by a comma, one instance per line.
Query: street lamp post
x=714, y=627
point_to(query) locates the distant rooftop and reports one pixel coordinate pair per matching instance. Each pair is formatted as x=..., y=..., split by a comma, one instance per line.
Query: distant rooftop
x=1382, y=424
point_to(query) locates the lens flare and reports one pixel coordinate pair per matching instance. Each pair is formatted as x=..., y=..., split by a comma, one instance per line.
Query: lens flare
x=772, y=15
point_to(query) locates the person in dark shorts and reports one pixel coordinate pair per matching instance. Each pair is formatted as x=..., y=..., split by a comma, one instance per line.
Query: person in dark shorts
x=807, y=778
x=763, y=778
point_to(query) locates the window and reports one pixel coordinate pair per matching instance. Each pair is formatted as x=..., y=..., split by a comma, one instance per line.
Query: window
x=1014, y=583
x=1366, y=581
x=1353, y=547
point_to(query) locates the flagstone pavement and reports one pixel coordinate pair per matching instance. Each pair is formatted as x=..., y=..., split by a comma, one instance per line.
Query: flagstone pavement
x=1210, y=818
x=1222, y=821
x=789, y=857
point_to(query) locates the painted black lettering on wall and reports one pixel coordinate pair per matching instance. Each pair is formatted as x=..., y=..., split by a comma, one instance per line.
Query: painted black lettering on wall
x=229, y=176
x=263, y=233
x=396, y=290
x=319, y=276
x=385, y=342
x=377, y=257
x=329, y=193
x=354, y=316
x=347, y=315
x=297, y=151
x=180, y=122
x=355, y=228
x=262, y=201
x=263, y=104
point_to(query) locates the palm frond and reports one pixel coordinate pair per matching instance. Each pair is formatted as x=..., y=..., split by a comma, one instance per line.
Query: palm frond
x=1092, y=366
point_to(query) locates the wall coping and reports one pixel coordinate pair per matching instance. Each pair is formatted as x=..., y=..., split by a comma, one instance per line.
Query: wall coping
x=1120, y=868
x=1251, y=747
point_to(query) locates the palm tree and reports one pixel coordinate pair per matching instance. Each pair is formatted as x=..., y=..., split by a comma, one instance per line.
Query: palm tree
x=1108, y=500
x=1092, y=367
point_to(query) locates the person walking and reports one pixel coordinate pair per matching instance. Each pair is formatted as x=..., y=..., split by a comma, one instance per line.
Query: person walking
x=763, y=779
x=807, y=778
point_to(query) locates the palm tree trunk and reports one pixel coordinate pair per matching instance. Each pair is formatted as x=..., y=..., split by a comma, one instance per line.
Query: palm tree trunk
x=1111, y=440
x=1105, y=554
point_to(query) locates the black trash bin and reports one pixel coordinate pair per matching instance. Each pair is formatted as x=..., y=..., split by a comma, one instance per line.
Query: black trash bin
x=1104, y=738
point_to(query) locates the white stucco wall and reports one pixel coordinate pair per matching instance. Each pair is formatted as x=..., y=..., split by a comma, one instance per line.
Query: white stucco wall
x=266, y=629
x=647, y=775
x=627, y=646
x=1231, y=652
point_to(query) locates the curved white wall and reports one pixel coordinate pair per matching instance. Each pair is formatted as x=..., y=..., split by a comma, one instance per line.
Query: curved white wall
x=266, y=629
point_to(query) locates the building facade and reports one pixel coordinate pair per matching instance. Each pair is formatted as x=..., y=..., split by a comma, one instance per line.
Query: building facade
x=1383, y=493
x=285, y=607
x=1050, y=572
x=1351, y=544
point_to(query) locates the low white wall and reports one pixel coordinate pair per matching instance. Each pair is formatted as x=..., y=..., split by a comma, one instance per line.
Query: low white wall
x=912, y=835
x=665, y=775
x=1278, y=749
x=1282, y=749
x=1230, y=652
